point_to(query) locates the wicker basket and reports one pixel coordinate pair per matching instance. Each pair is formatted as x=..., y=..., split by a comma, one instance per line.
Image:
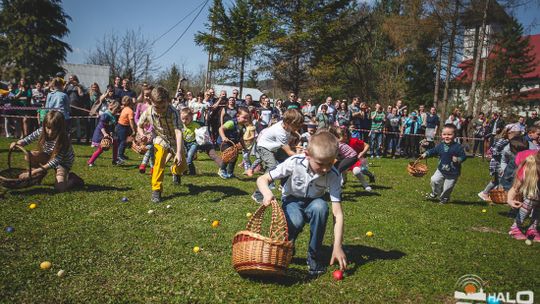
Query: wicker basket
x=106, y=143
x=498, y=195
x=9, y=178
x=231, y=153
x=139, y=145
x=417, y=169
x=260, y=256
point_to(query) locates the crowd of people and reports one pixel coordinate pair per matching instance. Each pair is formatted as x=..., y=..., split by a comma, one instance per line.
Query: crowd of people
x=307, y=148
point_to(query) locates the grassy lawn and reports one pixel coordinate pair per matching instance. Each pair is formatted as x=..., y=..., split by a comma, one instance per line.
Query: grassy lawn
x=114, y=251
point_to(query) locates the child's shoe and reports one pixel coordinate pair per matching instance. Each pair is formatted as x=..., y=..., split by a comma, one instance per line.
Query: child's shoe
x=257, y=197
x=90, y=165
x=176, y=179
x=532, y=234
x=315, y=268
x=222, y=174
x=151, y=170
x=443, y=201
x=431, y=196
x=483, y=196
x=156, y=196
x=142, y=168
x=516, y=233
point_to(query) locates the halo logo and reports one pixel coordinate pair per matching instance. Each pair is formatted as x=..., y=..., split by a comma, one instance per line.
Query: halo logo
x=471, y=289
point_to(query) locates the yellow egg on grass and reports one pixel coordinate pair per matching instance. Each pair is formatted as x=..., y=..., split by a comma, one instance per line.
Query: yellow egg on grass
x=61, y=273
x=32, y=206
x=196, y=249
x=484, y=210
x=215, y=224
x=249, y=215
x=369, y=234
x=45, y=265
x=528, y=242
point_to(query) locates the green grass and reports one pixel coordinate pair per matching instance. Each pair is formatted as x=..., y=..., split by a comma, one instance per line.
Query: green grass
x=116, y=252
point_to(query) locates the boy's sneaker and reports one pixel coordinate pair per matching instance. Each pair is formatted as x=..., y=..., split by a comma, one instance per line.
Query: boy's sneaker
x=257, y=197
x=431, y=196
x=90, y=165
x=532, y=234
x=156, y=196
x=483, y=196
x=443, y=201
x=368, y=189
x=371, y=179
x=142, y=168
x=315, y=269
x=222, y=174
x=516, y=233
x=176, y=179
x=118, y=162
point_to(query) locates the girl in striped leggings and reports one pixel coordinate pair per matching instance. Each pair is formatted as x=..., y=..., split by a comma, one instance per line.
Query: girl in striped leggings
x=54, y=152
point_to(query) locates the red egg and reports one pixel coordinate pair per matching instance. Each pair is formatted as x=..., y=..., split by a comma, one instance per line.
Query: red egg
x=338, y=275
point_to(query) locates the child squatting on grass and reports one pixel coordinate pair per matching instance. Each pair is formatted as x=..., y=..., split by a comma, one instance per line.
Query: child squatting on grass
x=309, y=176
x=526, y=185
x=55, y=152
x=451, y=155
x=167, y=133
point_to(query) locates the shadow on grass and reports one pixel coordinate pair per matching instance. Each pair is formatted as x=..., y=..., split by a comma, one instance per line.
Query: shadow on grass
x=475, y=203
x=357, y=255
x=293, y=276
x=351, y=196
x=50, y=190
x=510, y=213
x=194, y=190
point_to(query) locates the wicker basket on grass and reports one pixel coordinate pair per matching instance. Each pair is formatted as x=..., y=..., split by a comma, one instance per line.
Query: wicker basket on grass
x=10, y=177
x=417, y=169
x=260, y=256
x=498, y=195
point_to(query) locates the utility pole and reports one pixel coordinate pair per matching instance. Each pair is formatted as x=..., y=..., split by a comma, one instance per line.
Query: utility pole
x=208, y=78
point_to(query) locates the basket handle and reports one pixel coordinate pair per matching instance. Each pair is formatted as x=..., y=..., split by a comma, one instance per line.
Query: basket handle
x=418, y=160
x=278, y=227
x=28, y=156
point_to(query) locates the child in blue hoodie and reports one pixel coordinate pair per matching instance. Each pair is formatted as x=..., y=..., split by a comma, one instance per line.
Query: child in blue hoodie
x=451, y=155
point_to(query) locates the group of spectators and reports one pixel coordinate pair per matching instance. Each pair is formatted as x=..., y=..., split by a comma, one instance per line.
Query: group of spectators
x=393, y=130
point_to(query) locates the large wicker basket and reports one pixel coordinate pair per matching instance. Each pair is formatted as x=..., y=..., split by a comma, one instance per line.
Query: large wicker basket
x=417, y=169
x=230, y=153
x=260, y=256
x=9, y=178
x=498, y=195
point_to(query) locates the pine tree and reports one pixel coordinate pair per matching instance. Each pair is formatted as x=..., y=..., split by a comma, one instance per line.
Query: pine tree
x=233, y=35
x=511, y=59
x=31, y=33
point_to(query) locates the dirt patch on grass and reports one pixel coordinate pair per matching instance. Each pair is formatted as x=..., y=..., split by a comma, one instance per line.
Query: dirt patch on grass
x=485, y=229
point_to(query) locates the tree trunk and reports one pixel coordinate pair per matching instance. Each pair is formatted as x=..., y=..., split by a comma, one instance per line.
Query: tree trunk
x=450, y=60
x=242, y=63
x=480, y=103
x=479, y=47
x=438, y=74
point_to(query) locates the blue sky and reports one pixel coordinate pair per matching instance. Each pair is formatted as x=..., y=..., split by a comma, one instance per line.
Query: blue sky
x=93, y=19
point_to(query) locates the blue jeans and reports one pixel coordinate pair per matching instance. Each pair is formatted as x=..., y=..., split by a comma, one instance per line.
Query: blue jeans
x=376, y=142
x=191, y=148
x=122, y=132
x=298, y=212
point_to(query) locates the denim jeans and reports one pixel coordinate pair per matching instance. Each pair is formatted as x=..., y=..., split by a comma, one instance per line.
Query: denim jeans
x=122, y=132
x=298, y=212
x=376, y=142
x=191, y=148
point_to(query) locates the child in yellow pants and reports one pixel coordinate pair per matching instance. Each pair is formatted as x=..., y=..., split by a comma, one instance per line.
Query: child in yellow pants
x=167, y=130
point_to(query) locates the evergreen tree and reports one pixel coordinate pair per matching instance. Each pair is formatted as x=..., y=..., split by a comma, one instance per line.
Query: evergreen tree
x=512, y=58
x=233, y=35
x=31, y=33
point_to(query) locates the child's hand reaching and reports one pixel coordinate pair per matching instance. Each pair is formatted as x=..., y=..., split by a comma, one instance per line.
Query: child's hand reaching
x=514, y=203
x=455, y=159
x=267, y=200
x=423, y=155
x=339, y=255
